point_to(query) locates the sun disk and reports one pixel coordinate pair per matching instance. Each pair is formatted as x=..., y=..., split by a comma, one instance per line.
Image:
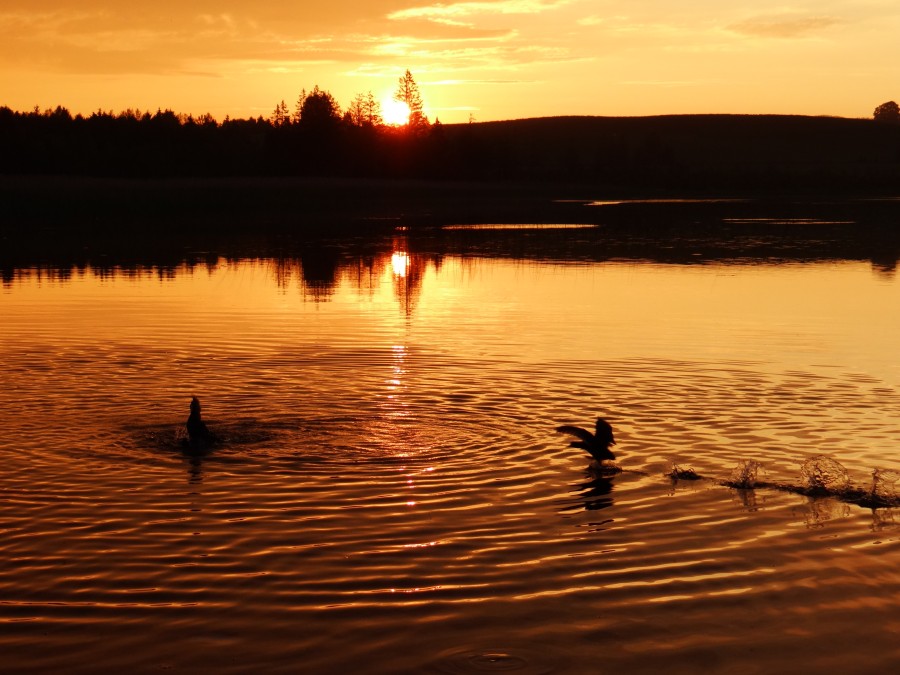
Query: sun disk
x=395, y=113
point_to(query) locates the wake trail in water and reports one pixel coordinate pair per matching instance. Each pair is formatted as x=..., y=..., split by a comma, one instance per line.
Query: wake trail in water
x=820, y=476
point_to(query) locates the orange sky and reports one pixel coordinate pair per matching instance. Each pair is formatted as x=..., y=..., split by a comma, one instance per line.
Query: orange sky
x=494, y=59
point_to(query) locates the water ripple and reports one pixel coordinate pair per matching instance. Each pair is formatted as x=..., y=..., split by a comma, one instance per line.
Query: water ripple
x=410, y=508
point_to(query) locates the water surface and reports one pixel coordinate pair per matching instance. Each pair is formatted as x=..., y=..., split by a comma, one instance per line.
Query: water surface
x=390, y=493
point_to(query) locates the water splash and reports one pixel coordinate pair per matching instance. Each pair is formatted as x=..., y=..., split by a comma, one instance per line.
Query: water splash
x=884, y=485
x=175, y=437
x=683, y=473
x=821, y=474
x=603, y=469
x=745, y=475
x=520, y=661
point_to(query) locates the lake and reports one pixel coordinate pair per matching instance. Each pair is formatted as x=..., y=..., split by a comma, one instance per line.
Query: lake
x=389, y=493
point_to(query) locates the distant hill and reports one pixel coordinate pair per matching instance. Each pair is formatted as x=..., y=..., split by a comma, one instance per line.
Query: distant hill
x=677, y=151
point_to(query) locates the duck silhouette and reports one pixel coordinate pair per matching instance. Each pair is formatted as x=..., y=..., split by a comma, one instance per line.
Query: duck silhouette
x=597, y=443
x=199, y=437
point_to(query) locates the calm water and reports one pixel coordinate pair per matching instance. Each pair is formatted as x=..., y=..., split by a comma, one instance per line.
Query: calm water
x=390, y=494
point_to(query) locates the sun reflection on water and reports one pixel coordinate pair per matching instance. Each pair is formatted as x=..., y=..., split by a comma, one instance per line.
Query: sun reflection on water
x=400, y=263
x=395, y=381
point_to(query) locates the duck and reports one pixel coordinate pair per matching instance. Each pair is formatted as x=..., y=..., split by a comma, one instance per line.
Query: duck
x=199, y=436
x=597, y=443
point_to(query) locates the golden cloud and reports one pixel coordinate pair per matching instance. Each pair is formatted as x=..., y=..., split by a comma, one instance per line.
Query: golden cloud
x=452, y=13
x=783, y=26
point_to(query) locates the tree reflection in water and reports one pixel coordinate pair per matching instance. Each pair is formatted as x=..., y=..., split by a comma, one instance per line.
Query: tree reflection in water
x=684, y=232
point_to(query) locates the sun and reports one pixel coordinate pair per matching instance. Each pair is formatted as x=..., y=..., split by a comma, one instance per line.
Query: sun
x=395, y=113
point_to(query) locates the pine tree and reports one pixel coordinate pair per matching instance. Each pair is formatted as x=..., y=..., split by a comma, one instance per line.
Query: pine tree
x=280, y=115
x=408, y=93
x=365, y=111
x=356, y=111
x=372, y=110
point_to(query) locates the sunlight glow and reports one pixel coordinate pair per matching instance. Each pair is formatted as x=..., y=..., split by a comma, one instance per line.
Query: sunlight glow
x=395, y=113
x=504, y=59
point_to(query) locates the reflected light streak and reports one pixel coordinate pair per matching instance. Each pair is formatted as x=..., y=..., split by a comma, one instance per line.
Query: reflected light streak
x=397, y=369
x=400, y=263
x=411, y=483
x=416, y=589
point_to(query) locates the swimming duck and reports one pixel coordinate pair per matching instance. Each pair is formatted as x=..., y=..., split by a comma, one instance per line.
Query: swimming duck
x=597, y=443
x=198, y=435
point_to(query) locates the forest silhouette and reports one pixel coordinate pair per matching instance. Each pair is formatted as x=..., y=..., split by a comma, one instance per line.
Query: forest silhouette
x=676, y=152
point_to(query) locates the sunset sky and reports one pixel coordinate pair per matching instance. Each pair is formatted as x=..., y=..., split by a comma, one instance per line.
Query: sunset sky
x=494, y=59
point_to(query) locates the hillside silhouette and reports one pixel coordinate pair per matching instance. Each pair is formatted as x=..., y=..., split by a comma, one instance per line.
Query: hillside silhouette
x=699, y=152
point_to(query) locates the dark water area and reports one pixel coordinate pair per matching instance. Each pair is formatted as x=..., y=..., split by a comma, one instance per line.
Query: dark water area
x=387, y=491
x=66, y=224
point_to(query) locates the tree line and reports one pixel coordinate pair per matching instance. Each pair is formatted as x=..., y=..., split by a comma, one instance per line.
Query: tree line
x=319, y=108
x=315, y=138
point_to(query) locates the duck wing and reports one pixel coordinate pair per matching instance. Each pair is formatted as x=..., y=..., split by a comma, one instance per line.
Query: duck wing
x=583, y=434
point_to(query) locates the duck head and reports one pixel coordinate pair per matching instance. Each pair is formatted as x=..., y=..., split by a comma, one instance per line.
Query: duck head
x=604, y=433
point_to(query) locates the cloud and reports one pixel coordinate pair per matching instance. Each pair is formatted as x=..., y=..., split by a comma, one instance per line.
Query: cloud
x=453, y=13
x=668, y=84
x=591, y=21
x=453, y=83
x=784, y=26
x=495, y=55
x=486, y=50
x=97, y=42
x=85, y=43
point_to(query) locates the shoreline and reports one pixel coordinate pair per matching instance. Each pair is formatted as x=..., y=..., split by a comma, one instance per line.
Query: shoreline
x=324, y=205
x=65, y=223
x=297, y=204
